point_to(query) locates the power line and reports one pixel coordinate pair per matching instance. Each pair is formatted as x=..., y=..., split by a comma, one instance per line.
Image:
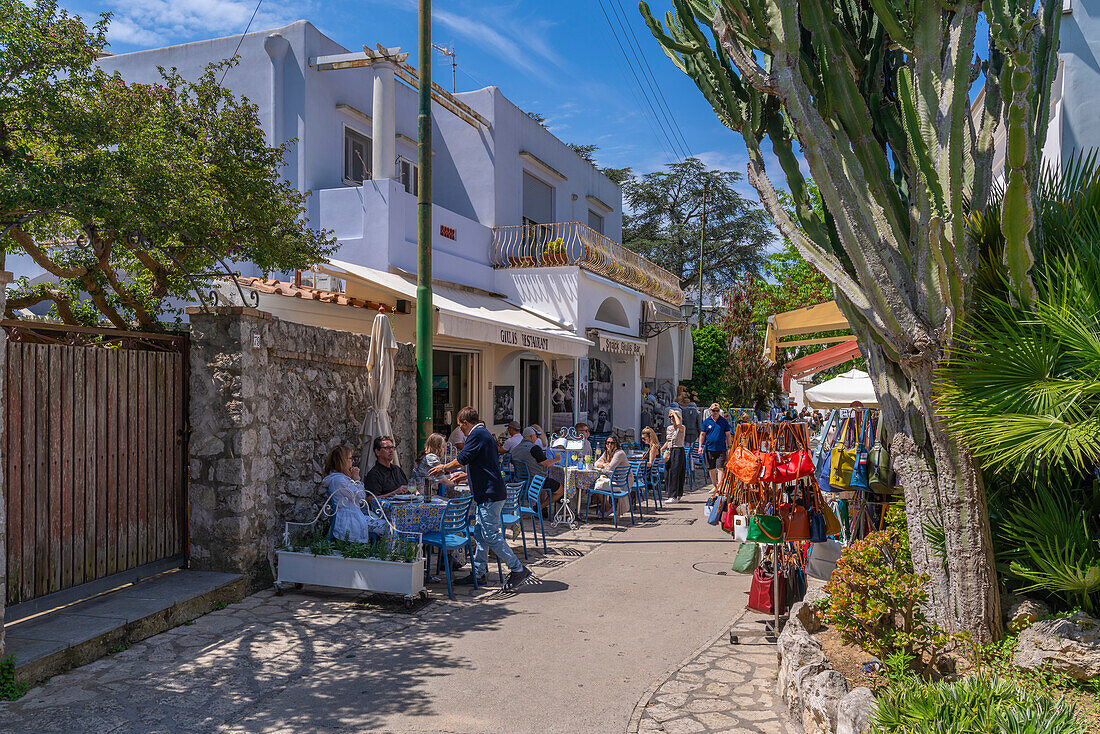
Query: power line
x=647, y=71
x=671, y=147
x=241, y=39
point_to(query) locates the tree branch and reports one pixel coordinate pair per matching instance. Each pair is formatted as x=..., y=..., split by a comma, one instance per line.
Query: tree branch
x=40, y=257
x=42, y=292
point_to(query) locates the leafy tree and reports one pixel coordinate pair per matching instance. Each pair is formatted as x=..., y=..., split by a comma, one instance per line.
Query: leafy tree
x=131, y=193
x=710, y=363
x=665, y=219
x=876, y=95
x=753, y=383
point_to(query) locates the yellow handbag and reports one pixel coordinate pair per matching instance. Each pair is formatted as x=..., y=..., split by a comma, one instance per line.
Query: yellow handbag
x=843, y=458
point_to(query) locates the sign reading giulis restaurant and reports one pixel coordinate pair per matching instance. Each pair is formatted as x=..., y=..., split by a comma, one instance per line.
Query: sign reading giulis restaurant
x=515, y=338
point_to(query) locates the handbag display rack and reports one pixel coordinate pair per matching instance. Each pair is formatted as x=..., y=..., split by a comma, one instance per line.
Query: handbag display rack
x=770, y=463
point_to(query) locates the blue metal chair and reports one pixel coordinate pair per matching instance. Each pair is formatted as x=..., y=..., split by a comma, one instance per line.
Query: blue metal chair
x=620, y=487
x=520, y=472
x=531, y=506
x=690, y=463
x=510, y=515
x=454, y=532
x=638, y=484
x=657, y=480
x=506, y=469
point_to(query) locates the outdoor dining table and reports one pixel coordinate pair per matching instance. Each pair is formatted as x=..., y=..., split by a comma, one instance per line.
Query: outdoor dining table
x=577, y=481
x=412, y=514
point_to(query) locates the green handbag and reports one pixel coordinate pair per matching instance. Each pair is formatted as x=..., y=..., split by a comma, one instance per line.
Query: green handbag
x=765, y=529
x=747, y=558
x=879, y=476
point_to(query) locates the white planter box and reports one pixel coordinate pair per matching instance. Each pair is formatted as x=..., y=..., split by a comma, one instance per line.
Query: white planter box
x=364, y=574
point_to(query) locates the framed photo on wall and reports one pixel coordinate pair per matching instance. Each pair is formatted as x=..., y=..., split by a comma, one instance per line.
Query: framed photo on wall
x=504, y=398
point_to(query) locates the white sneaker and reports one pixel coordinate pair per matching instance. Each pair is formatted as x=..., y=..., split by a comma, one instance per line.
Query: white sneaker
x=672, y=500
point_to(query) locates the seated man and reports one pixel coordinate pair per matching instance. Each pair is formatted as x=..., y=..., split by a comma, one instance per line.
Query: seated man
x=514, y=437
x=385, y=478
x=584, y=433
x=530, y=454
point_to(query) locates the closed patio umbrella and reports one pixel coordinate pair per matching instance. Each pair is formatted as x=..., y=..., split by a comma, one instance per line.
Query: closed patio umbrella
x=380, y=376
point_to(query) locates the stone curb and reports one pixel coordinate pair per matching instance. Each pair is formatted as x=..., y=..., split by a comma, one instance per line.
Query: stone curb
x=639, y=708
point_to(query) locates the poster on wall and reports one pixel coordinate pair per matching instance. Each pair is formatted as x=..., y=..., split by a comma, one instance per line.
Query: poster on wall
x=599, y=396
x=582, y=389
x=504, y=397
x=562, y=394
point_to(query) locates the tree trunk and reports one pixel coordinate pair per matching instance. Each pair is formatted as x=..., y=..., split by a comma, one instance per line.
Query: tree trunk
x=943, y=489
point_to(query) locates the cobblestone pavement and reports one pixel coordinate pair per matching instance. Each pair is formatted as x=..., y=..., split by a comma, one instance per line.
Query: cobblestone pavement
x=721, y=688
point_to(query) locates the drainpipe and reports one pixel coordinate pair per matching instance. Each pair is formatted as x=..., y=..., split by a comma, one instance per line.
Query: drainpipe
x=384, y=144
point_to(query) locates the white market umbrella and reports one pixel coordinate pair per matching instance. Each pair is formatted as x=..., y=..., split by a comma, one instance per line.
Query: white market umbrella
x=842, y=391
x=380, y=376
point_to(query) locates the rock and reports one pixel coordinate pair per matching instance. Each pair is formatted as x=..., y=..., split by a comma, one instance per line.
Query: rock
x=800, y=657
x=807, y=615
x=854, y=712
x=821, y=698
x=1070, y=646
x=815, y=592
x=1020, y=612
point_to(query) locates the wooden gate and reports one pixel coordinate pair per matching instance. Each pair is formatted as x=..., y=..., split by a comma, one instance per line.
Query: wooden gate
x=95, y=460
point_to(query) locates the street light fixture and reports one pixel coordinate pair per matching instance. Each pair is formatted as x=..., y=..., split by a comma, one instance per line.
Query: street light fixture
x=650, y=329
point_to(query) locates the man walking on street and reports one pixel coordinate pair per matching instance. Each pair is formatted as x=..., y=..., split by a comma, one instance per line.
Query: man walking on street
x=482, y=461
x=716, y=438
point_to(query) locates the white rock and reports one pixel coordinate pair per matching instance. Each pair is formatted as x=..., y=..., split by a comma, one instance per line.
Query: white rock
x=1070, y=646
x=854, y=712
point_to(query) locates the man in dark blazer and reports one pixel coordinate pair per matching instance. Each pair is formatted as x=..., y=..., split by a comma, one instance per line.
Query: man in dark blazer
x=481, y=458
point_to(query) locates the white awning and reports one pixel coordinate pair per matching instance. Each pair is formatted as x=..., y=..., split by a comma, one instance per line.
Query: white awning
x=467, y=314
x=609, y=341
x=842, y=391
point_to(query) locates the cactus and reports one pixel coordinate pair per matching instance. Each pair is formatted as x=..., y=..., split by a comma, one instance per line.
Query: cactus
x=876, y=96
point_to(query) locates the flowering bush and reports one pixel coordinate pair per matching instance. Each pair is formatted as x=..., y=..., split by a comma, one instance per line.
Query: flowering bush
x=875, y=601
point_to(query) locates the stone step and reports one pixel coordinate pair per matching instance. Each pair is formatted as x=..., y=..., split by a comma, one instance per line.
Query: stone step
x=75, y=635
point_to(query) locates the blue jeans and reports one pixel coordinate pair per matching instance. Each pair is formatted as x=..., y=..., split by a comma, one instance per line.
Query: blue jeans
x=487, y=535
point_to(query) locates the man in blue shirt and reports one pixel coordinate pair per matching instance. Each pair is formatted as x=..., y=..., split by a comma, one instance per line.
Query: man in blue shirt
x=716, y=438
x=481, y=458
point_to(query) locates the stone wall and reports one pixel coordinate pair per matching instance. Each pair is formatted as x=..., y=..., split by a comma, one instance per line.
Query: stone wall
x=269, y=398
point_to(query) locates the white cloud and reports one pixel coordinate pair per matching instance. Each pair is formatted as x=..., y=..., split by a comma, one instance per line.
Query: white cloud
x=151, y=22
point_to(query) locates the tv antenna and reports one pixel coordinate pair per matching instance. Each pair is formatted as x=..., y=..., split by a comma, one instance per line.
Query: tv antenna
x=448, y=51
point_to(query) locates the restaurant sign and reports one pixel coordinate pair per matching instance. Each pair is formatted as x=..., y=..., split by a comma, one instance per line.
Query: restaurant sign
x=626, y=347
x=514, y=338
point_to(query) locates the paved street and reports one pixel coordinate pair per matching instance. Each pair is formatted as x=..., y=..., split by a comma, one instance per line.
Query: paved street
x=613, y=615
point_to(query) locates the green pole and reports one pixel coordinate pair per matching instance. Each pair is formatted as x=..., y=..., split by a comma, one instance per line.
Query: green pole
x=424, y=309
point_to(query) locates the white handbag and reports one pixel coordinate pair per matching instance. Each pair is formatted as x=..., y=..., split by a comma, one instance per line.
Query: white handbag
x=741, y=527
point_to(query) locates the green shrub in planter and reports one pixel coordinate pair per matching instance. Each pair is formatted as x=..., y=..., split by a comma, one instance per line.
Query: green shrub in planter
x=876, y=601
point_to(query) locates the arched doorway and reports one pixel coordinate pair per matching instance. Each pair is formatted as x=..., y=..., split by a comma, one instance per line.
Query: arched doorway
x=611, y=311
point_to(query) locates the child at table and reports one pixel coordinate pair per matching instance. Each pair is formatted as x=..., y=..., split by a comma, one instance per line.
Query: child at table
x=431, y=456
x=348, y=499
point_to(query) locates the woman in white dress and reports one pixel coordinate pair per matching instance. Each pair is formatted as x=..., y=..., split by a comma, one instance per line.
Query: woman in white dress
x=348, y=499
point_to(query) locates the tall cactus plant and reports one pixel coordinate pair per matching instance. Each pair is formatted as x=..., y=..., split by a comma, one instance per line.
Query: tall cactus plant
x=876, y=95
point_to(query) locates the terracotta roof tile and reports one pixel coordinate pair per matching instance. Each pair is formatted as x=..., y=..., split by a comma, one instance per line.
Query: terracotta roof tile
x=283, y=288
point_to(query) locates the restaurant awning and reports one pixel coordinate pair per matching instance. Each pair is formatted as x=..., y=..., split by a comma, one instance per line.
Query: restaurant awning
x=472, y=315
x=819, y=317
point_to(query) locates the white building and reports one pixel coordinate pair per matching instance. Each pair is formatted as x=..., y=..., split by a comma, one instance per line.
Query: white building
x=532, y=288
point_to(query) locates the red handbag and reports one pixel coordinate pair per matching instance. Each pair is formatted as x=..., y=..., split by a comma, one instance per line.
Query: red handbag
x=796, y=464
x=767, y=466
x=728, y=517
x=760, y=593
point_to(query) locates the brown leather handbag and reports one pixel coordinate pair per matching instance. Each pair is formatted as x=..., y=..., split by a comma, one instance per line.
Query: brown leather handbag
x=796, y=523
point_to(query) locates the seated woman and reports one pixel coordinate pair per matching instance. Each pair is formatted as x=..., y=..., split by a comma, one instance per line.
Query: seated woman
x=432, y=456
x=652, y=446
x=611, y=459
x=346, y=494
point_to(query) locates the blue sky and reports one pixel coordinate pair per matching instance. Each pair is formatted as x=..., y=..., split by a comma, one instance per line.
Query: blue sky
x=559, y=58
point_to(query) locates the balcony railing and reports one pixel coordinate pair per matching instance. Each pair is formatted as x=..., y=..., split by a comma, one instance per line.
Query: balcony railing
x=573, y=243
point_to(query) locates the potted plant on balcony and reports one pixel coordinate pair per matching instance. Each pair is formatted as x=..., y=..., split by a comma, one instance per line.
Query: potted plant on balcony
x=555, y=254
